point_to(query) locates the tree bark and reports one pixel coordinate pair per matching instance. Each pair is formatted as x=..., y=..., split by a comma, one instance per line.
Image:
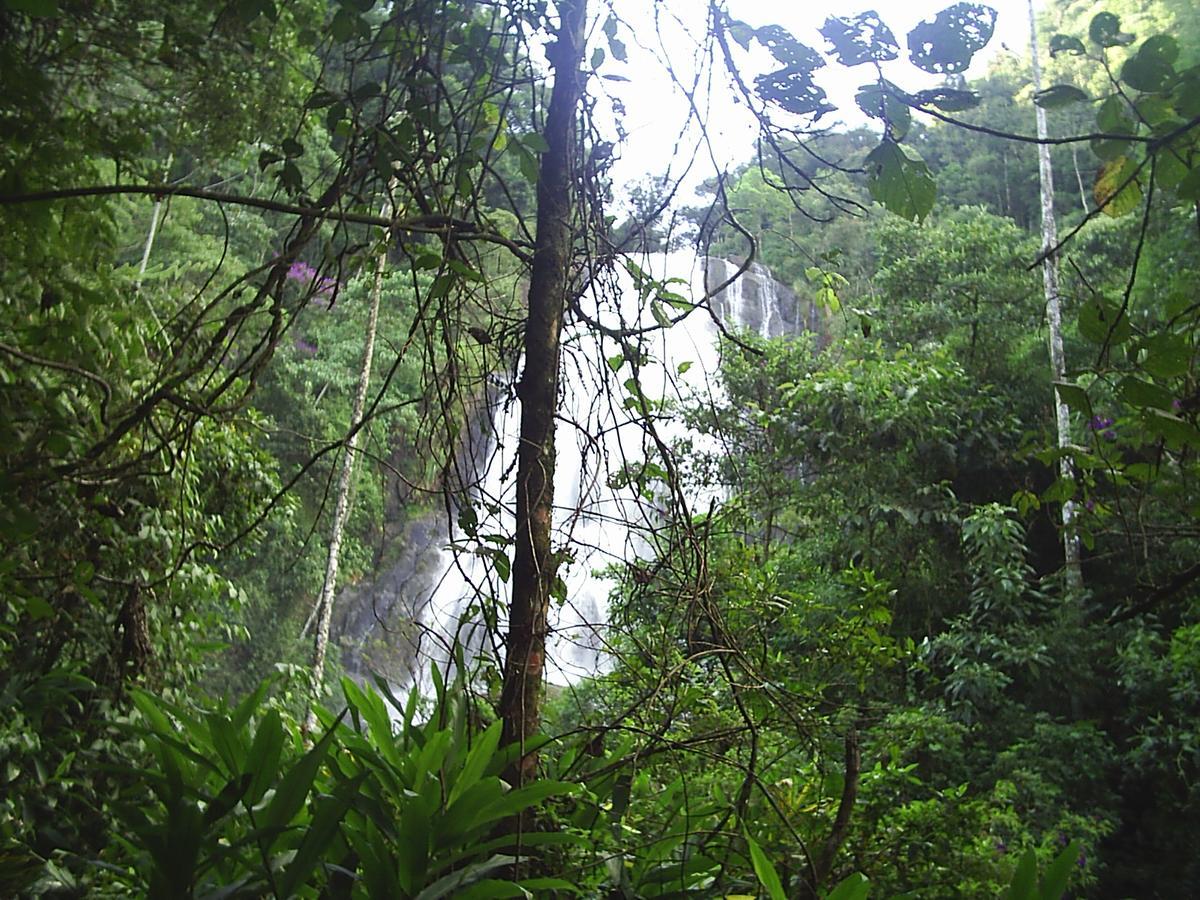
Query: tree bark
x=1058, y=366
x=534, y=566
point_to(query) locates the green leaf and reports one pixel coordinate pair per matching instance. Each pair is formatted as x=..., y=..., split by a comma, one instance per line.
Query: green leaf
x=852, y=887
x=37, y=608
x=455, y=883
x=293, y=790
x=318, y=835
x=1102, y=323
x=1058, y=873
x=535, y=143
x=263, y=757
x=1074, y=396
x=1171, y=428
x=1105, y=30
x=502, y=564
x=1189, y=186
x=902, y=183
x=35, y=8
x=879, y=101
x=477, y=760
x=1117, y=191
x=764, y=870
x=1113, y=117
x=1059, y=95
x=1147, y=72
x=1024, y=881
x=1064, y=43
x=1142, y=394
x=1167, y=356
x=519, y=799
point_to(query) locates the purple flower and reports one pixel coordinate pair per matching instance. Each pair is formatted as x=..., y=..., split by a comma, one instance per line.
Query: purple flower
x=1104, y=425
x=301, y=271
x=305, y=347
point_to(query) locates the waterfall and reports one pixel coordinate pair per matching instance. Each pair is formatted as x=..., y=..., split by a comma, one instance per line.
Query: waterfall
x=600, y=515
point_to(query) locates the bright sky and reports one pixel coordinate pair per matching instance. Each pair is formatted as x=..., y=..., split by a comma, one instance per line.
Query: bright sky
x=655, y=109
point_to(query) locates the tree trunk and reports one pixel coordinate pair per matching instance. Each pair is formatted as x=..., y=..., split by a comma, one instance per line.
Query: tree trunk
x=534, y=566
x=341, y=510
x=1058, y=366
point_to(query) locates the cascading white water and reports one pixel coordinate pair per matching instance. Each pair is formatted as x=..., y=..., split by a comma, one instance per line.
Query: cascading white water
x=600, y=517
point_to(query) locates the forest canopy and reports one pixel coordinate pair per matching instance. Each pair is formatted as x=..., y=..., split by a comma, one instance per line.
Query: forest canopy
x=341, y=411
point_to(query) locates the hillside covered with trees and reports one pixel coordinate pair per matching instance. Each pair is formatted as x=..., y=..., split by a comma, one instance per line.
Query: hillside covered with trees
x=910, y=605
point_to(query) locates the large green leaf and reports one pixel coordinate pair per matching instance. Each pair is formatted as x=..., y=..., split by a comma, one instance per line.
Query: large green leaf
x=1058, y=873
x=764, y=870
x=293, y=790
x=1024, y=880
x=852, y=887
x=900, y=180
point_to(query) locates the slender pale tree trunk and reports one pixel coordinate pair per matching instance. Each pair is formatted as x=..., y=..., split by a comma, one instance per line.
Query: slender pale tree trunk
x=534, y=565
x=1058, y=366
x=149, y=245
x=341, y=512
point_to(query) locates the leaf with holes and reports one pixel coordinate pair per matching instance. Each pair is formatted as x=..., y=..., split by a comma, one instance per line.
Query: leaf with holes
x=946, y=45
x=947, y=99
x=1105, y=30
x=861, y=39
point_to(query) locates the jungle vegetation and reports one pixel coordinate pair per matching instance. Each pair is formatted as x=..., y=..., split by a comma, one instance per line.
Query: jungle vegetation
x=261, y=260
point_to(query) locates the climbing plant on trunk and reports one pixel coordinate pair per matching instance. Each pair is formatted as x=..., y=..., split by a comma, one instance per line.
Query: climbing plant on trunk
x=534, y=564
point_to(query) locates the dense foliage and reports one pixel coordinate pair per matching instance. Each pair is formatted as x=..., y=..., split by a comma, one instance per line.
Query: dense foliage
x=862, y=668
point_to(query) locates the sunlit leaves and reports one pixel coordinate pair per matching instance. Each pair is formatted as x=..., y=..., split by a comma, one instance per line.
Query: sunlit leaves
x=1117, y=191
x=1105, y=30
x=899, y=179
x=863, y=38
x=946, y=45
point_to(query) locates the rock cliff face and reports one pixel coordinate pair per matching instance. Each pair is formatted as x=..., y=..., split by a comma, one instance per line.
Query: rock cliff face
x=395, y=622
x=757, y=302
